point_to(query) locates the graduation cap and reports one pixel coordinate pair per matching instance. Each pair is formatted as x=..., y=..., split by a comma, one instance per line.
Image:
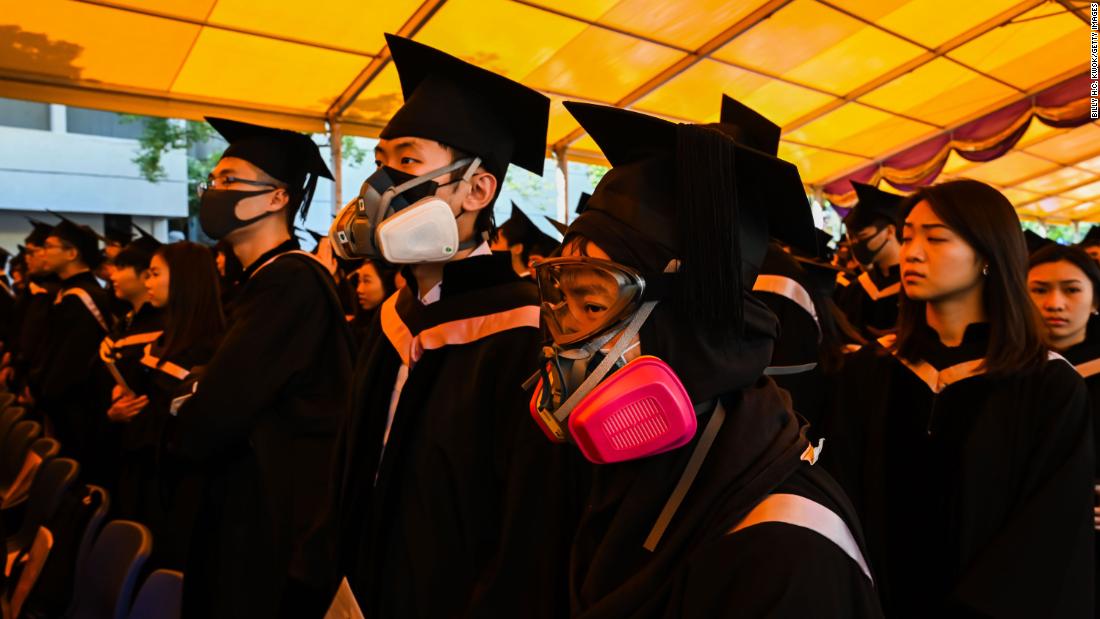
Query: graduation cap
x=1092, y=237
x=582, y=203
x=691, y=192
x=1035, y=242
x=83, y=238
x=874, y=205
x=749, y=127
x=287, y=156
x=145, y=242
x=39, y=232
x=117, y=237
x=520, y=229
x=468, y=108
x=559, y=226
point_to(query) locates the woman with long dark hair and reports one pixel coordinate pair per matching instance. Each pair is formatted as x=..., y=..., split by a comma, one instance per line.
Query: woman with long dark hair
x=374, y=283
x=965, y=446
x=1064, y=283
x=183, y=280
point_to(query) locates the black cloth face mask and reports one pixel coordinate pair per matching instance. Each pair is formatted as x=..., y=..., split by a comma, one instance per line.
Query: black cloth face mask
x=861, y=248
x=218, y=211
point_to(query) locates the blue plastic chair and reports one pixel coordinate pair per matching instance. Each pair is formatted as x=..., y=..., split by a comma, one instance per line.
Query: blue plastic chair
x=106, y=588
x=161, y=597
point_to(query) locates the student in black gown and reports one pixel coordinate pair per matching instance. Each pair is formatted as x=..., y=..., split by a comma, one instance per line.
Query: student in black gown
x=121, y=350
x=1064, y=283
x=444, y=507
x=809, y=342
x=374, y=283
x=871, y=301
x=678, y=227
x=263, y=419
x=182, y=284
x=63, y=382
x=965, y=446
x=31, y=309
x=520, y=237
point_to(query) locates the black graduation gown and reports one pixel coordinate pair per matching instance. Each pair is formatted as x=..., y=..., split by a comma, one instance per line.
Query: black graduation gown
x=785, y=288
x=125, y=345
x=63, y=381
x=29, y=326
x=1085, y=357
x=871, y=302
x=7, y=310
x=700, y=569
x=976, y=501
x=462, y=520
x=154, y=487
x=263, y=424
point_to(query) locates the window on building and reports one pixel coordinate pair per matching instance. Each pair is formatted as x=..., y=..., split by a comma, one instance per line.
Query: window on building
x=24, y=114
x=96, y=122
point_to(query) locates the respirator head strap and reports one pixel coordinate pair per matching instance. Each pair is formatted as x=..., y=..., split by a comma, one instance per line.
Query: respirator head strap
x=625, y=339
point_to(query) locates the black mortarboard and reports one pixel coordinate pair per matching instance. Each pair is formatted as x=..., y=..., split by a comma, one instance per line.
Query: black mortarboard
x=145, y=242
x=39, y=232
x=1092, y=237
x=83, y=238
x=468, y=108
x=874, y=205
x=520, y=229
x=1035, y=242
x=693, y=193
x=118, y=237
x=749, y=127
x=559, y=226
x=582, y=203
x=637, y=191
x=287, y=156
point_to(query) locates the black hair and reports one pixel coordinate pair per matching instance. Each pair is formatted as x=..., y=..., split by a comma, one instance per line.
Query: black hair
x=133, y=258
x=194, y=311
x=485, y=222
x=1073, y=255
x=987, y=221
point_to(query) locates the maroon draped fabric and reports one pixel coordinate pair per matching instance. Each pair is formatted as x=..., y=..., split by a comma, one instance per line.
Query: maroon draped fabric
x=1064, y=105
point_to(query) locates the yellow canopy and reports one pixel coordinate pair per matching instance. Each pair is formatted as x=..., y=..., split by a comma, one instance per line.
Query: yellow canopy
x=851, y=81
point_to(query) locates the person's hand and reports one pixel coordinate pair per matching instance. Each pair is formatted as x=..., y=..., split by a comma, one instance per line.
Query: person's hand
x=26, y=398
x=7, y=374
x=1096, y=509
x=126, y=407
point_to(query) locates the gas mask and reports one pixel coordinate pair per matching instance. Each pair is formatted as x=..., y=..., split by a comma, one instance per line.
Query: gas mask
x=619, y=410
x=396, y=217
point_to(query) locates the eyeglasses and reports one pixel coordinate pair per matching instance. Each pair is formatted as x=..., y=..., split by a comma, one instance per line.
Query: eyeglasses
x=223, y=183
x=61, y=246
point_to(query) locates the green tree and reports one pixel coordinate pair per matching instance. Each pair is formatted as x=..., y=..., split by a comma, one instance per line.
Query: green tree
x=199, y=140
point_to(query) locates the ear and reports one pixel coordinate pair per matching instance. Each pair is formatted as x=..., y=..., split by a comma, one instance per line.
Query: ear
x=517, y=249
x=483, y=186
x=280, y=198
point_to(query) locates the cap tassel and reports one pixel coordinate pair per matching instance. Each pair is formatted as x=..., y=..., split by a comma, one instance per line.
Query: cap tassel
x=711, y=292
